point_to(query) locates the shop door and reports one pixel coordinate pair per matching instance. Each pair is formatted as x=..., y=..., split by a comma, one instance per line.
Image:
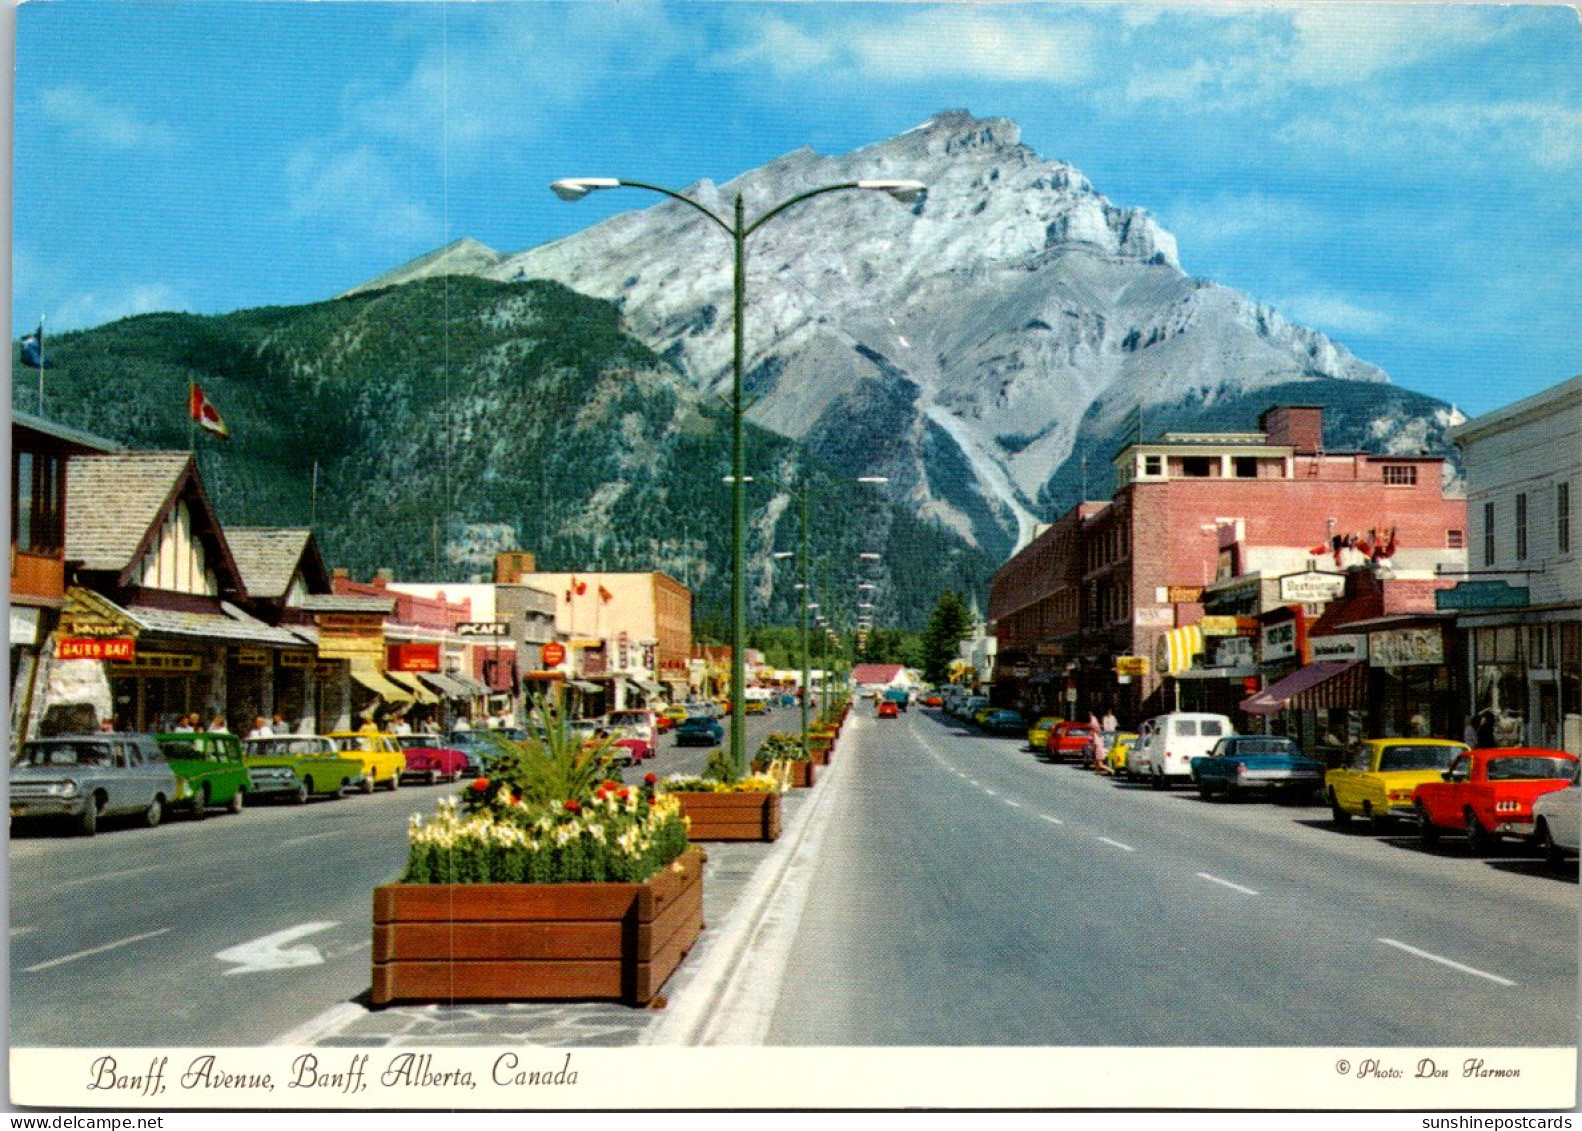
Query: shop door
x=1546, y=714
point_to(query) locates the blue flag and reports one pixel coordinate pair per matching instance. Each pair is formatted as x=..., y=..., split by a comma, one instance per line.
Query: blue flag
x=33, y=350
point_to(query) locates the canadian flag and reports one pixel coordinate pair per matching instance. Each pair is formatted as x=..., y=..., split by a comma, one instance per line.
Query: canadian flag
x=203, y=411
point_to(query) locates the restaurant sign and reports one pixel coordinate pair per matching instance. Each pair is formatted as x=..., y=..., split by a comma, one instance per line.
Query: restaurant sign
x=412, y=658
x=1133, y=666
x=483, y=628
x=1311, y=588
x=95, y=648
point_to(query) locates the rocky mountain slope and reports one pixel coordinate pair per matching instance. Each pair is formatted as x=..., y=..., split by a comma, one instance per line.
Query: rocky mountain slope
x=974, y=346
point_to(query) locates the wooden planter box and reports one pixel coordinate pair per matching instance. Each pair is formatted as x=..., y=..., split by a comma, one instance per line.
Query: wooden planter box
x=731, y=816
x=818, y=751
x=801, y=775
x=536, y=942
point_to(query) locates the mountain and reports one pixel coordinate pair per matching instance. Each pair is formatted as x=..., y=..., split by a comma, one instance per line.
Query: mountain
x=424, y=427
x=975, y=346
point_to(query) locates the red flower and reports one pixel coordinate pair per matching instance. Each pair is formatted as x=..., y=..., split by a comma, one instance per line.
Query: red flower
x=480, y=784
x=607, y=785
x=572, y=807
x=650, y=778
x=653, y=801
x=624, y=794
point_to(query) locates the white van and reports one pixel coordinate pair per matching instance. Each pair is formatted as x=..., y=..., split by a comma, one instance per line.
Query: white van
x=1165, y=748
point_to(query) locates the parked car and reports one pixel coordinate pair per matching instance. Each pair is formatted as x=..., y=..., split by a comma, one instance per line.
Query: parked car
x=634, y=724
x=428, y=758
x=84, y=778
x=933, y=701
x=1068, y=740
x=478, y=747
x=699, y=730
x=887, y=709
x=1382, y=774
x=1132, y=762
x=632, y=751
x=970, y=706
x=1556, y=821
x=900, y=696
x=1164, y=755
x=209, y=771
x=1038, y=733
x=1244, y=762
x=298, y=766
x=1489, y=794
x=982, y=713
x=675, y=714
x=379, y=753
x=1005, y=721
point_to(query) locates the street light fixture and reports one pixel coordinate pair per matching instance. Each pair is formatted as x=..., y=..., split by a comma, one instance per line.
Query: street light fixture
x=738, y=230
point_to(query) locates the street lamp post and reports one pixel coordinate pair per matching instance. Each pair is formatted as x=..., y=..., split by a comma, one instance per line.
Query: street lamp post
x=575, y=188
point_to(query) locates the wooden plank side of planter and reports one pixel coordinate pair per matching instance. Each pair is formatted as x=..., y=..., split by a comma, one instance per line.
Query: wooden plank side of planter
x=674, y=935
x=732, y=816
x=802, y=776
x=499, y=940
x=494, y=902
x=504, y=980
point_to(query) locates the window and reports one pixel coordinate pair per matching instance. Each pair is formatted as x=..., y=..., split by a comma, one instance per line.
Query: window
x=1400, y=475
x=1153, y=465
x=1488, y=533
x=1521, y=527
x=1563, y=517
x=1455, y=539
x=1197, y=467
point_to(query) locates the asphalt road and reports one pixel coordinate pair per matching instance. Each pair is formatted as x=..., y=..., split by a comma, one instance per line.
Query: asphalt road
x=227, y=932
x=968, y=894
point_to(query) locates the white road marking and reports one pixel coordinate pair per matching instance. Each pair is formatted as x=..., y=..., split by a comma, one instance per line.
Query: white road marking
x=98, y=876
x=1013, y=804
x=991, y=793
x=974, y=781
x=1225, y=883
x=271, y=953
x=305, y=837
x=1051, y=820
x=1447, y=962
x=65, y=958
x=15, y=931
x=1118, y=844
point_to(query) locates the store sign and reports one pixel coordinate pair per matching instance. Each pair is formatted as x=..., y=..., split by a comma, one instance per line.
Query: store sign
x=552, y=655
x=1133, y=666
x=483, y=628
x=159, y=663
x=412, y=658
x=1312, y=587
x=1280, y=641
x=1219, y=626
x=1234, y=652
x=1343, y=647
x=1150, y=617
x=296, y=659
x=1405, y=647
x=1179, y=594
x=95, y=648
x=85, y=613
x=252, y=657
x=1496, y=594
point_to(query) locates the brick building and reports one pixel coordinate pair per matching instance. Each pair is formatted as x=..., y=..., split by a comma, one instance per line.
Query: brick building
x=1127, y=577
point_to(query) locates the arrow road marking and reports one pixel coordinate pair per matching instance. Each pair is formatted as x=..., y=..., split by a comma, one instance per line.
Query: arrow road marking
x=271, y=953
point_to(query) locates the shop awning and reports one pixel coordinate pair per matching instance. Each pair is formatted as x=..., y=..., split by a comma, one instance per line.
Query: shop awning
x=1328, y=683
x=446, y=685
x=411, y=682
x=470, y=687
x=584, y=686
x=1177, y=647
x=364, y=672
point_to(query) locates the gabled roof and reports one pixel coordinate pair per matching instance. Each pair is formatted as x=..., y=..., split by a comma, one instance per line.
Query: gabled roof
x=116, y=504
x=875, y=673
x=269, y=557
x=72, y=437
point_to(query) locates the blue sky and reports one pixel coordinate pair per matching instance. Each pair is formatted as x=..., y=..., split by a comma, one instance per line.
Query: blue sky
x=1407, y=179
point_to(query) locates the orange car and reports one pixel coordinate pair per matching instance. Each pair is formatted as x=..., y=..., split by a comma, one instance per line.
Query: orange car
x=888, y=710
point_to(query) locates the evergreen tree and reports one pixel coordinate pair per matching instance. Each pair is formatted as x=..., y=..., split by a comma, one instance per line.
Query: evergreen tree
x=948, y=625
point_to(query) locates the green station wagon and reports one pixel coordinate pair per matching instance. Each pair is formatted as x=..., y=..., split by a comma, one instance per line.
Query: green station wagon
x=297, y=766
x=209, y=771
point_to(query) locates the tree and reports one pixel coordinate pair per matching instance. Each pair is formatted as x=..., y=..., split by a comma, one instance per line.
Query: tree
x=948, y=625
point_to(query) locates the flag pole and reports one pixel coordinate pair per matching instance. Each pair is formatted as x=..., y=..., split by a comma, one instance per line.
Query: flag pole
x=41, y=365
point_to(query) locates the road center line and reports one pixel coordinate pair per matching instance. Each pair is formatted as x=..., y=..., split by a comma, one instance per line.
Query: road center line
x=991, y=793
x=61, y=961
x=1118, y=844
x=1051, y=820
x=1012, y=804
x=1224, y=883
x=1447, y=962
x=98, y=876
x=314, y=836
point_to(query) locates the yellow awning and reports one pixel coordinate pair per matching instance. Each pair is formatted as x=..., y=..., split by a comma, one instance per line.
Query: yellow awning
x=410, y=681
x=364, y=672
x=1176, y=648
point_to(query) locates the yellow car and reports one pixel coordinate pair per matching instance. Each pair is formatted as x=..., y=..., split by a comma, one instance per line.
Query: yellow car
x=1119, y=746
x=1038, y=736
x=1381, y=774
x=982, y=713
x=754, y=707
x=675, y=714
x=380, y=754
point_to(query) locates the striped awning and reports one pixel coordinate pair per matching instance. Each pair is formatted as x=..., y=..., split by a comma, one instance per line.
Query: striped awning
x=445, y=685
x=1328, y=683
x=365, y=673
x=1174, y=652
x=411, y=682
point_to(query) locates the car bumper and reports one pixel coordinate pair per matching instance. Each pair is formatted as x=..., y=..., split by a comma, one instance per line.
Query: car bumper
x=1518, y=828
x=33, y=808
x=1278, y=779
x=272, y=781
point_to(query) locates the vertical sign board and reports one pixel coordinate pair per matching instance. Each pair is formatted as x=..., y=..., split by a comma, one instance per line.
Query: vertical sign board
x=1284, y=636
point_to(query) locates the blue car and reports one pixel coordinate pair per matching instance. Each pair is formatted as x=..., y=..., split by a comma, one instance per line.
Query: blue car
x=699, y=730
x=1242, y=763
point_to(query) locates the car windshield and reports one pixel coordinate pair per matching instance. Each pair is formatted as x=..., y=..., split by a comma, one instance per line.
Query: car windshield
x=357, y=743
x=67, y=754
x=1257, y=746
x=1515, y=768
x=1046, y=723
x=419, y=742
x=1417, y=757
x=697, y=721
x=628, y=719
x=288, y=747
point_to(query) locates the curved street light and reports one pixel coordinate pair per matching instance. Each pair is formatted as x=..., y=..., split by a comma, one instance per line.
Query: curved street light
x=738, y=229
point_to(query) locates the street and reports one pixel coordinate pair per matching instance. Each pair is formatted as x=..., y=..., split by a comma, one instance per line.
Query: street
x=229, y=931
x=971, y=895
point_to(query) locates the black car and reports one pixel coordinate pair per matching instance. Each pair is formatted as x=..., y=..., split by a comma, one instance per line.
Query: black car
x=699, y=730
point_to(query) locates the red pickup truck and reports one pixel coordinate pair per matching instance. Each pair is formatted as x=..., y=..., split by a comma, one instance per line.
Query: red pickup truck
x=1489, y=794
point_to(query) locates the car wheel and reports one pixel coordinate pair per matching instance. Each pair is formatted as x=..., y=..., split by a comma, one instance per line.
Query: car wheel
x=433, y=777
x=395, y=781
x=200, y=804
x=238, y=802
x=1337, y=815
x=304, y=791
x=368, y=783
x=1205, y=791
x=88, y=823
x=1427, y=834
x=1479, y=841
x=156, y=810
x=1158, y=781
x=1547, y=845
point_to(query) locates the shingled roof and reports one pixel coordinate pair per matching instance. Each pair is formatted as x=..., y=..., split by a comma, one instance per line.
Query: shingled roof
x=116, y=503
x=268, y=557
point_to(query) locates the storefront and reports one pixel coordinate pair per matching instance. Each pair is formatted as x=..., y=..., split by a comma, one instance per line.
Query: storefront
x=1527, y=669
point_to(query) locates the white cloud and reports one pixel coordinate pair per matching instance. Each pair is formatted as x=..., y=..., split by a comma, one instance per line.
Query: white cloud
x=1233, y=219
x=1336, y=314
x=92, y=119
x=94, y=308
x=358, y=191
x=1545, y=134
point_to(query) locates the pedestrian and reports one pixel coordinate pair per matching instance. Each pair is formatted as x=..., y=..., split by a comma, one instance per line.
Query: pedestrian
x=217, y=725
x=261, y=729
x=1110, y=724
x=401, y=726
x=186, y=724
x=1469, y=732
x=106, y=726
x=278, y=724
x=369, y=726
x=461, y=725
x=1485, y=730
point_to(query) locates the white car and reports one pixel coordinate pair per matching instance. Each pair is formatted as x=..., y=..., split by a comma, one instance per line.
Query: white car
x=1166, y=746
x=1556, y=822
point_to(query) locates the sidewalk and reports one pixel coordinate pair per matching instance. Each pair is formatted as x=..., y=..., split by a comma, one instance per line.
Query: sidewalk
x=751, y=894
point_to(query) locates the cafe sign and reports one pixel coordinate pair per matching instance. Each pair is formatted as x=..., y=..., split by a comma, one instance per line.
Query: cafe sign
x=95, y=648
x=483, y=628
x=1406, y=647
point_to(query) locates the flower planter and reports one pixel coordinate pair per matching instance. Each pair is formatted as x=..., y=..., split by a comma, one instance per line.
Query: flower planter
x=731, y=816
x=801, y=775
x=525, y=942
x=819, y=751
